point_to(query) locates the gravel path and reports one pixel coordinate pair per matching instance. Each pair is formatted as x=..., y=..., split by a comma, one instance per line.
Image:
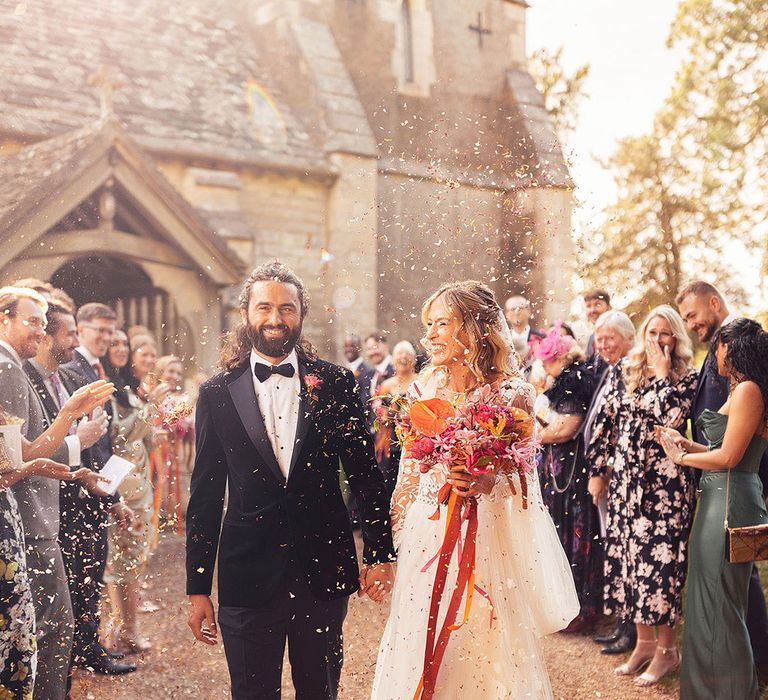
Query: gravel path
x=178, y=668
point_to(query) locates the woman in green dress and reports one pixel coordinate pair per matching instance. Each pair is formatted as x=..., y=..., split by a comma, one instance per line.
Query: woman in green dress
x=717, y=657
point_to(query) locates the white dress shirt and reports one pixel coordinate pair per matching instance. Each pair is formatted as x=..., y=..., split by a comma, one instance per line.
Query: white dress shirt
x=355, y=364
x=278, y=399
x=90, y=358
x=520, y=336
x=379, y=371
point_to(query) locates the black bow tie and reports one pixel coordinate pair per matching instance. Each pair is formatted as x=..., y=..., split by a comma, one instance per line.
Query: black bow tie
x=264, y=372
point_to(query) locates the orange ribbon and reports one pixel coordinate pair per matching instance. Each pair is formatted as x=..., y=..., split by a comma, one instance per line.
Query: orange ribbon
x=436, y=643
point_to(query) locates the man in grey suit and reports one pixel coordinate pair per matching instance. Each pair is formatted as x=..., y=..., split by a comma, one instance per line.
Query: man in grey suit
x=22, y=329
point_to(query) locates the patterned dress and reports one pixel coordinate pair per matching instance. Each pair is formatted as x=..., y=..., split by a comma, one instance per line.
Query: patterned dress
x=650, y=499
x=17, y=613
x=564, y=489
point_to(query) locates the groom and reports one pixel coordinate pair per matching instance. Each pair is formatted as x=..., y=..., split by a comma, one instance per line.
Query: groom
x=272, y=428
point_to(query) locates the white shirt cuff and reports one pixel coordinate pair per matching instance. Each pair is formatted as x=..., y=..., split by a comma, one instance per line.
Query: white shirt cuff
x=73, y=445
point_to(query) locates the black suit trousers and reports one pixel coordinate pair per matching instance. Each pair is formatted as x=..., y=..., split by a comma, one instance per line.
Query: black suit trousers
x=83, y=542
x=254, y=643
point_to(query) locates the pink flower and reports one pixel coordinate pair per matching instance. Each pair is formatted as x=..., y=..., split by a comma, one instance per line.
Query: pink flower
x=312, y=381
x=422, y=448
x=480, y=461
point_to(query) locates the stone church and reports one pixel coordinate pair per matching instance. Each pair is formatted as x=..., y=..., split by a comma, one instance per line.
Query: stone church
x=152, y=153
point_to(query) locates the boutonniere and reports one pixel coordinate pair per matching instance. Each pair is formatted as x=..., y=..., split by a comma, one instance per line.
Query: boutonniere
x=312, y=383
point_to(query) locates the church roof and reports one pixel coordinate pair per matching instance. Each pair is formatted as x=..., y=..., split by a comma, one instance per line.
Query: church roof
x=197, y=80
x=64, y=170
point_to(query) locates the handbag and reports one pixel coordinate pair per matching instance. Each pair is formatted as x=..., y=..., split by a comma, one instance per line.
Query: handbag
x=744, y=544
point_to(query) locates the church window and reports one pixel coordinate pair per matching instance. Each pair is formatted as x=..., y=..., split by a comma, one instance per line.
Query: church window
x=407, y=24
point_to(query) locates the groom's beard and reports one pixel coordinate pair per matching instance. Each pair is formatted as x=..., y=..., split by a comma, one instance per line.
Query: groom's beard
x=273, y=347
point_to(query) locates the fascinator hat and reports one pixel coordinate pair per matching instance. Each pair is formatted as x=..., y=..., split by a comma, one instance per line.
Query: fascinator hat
x=554, y=345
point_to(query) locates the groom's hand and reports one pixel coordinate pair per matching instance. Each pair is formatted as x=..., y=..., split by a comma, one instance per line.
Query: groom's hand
x=377, y=581
x=201, y=610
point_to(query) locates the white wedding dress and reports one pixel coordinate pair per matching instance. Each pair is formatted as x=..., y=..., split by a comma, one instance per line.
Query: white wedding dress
x=520, y=564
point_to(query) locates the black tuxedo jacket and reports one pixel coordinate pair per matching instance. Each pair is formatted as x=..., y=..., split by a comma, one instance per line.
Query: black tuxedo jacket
x=269, y=519
x=79, y=366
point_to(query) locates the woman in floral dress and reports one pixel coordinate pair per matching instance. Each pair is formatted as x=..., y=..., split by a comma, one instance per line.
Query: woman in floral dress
x=650, y=500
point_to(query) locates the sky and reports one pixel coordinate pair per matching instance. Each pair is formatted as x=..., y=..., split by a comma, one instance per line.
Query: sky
x=631, y=73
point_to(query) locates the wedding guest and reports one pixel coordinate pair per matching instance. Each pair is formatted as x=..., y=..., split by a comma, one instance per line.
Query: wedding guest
x=353, y=353
x=95, y=326
x=78, y=540
x=144, y=356
x=705, y=311
x=380, y=360
x=717, y=658
x=597, y=301
x=22, y=329
x=176, y=444
x=564, y=472
x=651, y=504
x=17, y=643
x=390, y=392
x=129, y=548
x=614, y=338
x=517, y=310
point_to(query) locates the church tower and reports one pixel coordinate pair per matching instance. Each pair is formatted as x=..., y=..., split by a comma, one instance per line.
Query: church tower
x=472, y=181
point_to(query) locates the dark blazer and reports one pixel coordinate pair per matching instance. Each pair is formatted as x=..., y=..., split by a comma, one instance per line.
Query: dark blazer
x=102, y=450
x=71, y=495
x=364, y=382
x=270, y=520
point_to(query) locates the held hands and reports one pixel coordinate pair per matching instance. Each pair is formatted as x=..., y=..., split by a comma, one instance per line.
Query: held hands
x=659, y=358
x=88, y=398
x=376, y=581
x=201, y=611
x=464, y=484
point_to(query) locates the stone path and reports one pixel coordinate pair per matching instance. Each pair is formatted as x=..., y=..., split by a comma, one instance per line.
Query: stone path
x=179, y=668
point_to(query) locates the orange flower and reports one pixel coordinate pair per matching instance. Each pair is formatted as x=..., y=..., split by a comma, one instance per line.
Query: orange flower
x=523, y=425
x=429, y=416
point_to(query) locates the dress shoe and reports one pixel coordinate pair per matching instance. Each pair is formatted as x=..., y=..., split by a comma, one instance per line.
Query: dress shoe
x=110, y=667
x=116, y=655
x=620, y=646
x=609, y=638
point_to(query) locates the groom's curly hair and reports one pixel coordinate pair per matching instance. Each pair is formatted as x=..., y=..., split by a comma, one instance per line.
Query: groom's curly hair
x=237, y=343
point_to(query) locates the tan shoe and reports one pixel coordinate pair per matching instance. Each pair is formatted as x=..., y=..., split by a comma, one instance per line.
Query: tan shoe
x=642, y=655
x=669, y=662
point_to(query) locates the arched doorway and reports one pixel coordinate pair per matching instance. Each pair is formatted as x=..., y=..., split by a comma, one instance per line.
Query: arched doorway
x=126, y=287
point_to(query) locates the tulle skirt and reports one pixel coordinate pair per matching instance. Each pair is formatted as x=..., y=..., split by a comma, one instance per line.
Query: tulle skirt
x=520, y=566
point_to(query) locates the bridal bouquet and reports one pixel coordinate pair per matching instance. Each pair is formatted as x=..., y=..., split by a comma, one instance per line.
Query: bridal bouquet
x=173, y=409
x=479, y=436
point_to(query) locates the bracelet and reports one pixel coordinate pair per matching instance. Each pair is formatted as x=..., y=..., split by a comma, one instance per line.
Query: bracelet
x=682, y=457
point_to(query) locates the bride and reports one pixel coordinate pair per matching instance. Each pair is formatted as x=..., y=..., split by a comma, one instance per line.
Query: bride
x=524, y=587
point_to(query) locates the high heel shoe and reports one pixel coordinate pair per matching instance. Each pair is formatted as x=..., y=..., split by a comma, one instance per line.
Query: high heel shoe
x=641, y=660
x=647, y=678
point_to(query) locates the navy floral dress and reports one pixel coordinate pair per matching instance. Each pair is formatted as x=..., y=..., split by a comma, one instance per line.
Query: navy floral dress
x=17, y=613
x=565, y=476
x=650, y=498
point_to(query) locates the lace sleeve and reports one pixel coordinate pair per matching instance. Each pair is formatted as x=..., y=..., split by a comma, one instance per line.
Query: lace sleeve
x=404, y=494
x=518, y=394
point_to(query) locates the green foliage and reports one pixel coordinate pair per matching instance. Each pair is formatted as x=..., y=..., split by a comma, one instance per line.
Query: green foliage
x=691, y=188
x=562, y=92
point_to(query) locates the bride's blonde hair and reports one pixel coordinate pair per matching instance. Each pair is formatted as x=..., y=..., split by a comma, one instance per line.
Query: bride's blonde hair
x=474, y=304
x=636, y=364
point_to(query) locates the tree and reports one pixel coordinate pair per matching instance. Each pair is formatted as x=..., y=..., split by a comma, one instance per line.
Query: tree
x=562, y=92
x=689, y=190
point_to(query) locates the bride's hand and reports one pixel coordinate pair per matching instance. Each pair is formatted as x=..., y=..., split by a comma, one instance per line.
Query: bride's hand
x=467, y=485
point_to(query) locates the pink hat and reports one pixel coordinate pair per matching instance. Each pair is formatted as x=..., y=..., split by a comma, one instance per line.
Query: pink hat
x=553, y=345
